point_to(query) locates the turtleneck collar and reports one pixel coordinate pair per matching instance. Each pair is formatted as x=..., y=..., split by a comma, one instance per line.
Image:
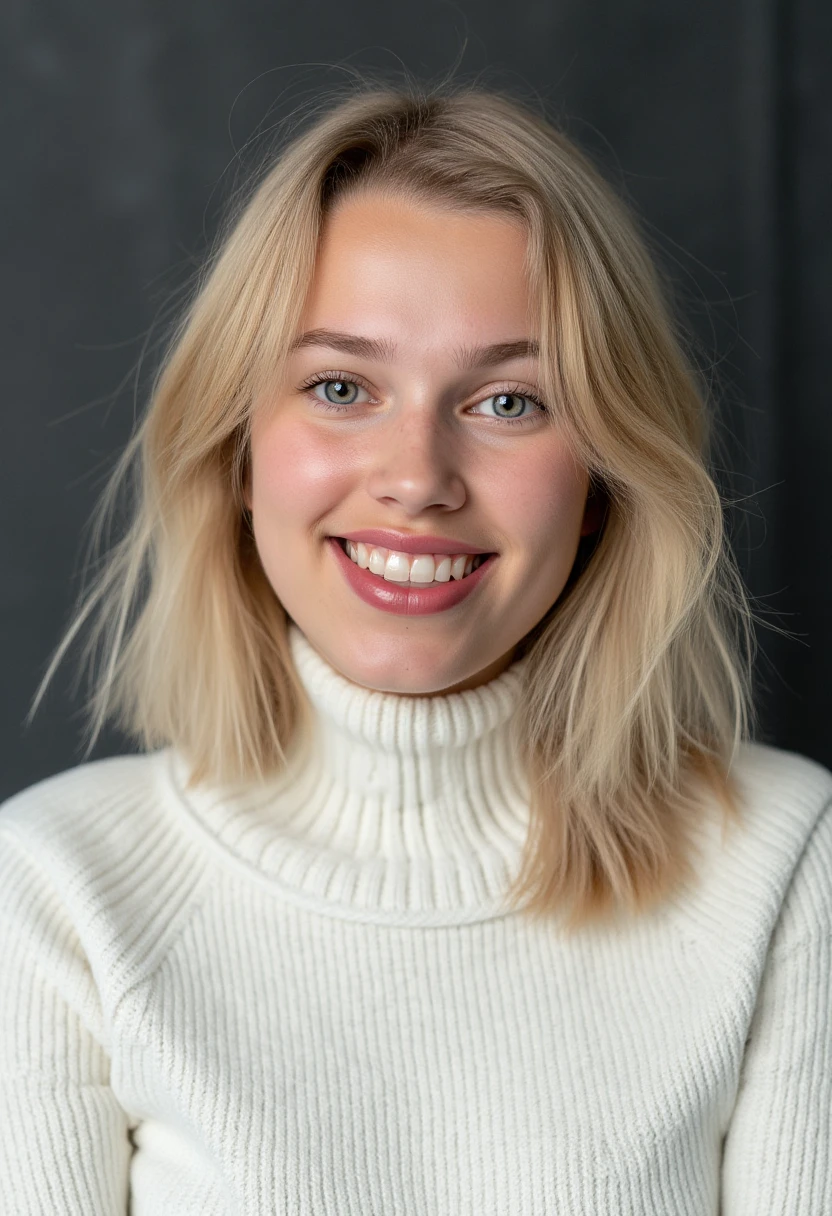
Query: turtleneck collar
x=404, y=810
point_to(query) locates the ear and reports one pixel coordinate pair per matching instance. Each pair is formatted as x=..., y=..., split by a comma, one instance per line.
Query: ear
x=593, y=512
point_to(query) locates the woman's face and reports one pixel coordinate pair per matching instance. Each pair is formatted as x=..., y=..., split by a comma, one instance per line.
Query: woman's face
x=407, y=312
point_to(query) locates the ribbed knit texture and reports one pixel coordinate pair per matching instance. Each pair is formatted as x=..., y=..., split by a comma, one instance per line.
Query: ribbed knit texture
x=305, y=997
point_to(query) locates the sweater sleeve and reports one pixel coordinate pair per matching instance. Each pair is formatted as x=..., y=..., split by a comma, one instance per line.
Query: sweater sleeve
x=777, y=1153
x=64, y=1142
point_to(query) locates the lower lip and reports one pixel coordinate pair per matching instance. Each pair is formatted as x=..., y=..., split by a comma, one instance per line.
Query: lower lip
x=409, y=600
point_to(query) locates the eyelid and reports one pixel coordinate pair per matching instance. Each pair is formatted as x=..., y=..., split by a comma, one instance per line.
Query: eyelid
x=324, y=377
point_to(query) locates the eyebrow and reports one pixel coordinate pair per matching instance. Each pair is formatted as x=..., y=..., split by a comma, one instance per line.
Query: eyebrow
x=466, y=357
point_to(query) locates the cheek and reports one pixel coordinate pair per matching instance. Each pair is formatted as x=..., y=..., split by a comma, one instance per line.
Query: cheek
x=295, y=473
x=542, y=494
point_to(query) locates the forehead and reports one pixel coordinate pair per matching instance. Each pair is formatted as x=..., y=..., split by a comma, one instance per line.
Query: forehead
x=415, y=272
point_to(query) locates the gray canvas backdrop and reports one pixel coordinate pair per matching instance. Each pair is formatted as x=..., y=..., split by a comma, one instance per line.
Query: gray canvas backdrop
x=122, y=125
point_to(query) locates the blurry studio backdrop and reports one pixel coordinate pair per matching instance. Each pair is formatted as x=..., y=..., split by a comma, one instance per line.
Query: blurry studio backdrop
x=127, y=124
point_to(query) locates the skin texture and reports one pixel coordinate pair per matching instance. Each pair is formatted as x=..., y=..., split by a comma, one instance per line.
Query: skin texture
x=422, y=449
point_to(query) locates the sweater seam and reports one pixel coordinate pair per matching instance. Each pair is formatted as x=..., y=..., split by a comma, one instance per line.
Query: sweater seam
x=816, y=932
x=198, y=900
x=109, y=1019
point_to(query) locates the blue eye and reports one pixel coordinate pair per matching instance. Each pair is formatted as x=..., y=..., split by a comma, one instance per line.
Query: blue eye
x=337, y=393
x=513, y=403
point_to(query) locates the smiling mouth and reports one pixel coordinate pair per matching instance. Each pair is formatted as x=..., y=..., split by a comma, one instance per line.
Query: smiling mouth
x=454, y=570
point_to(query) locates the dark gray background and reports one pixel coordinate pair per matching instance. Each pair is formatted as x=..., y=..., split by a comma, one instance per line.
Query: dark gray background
x=120, y=125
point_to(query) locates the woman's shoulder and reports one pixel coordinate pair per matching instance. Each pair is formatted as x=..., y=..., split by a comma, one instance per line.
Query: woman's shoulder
x=784, y=793
x=786, y=769
x=96, y=849
x=83, y=803
x=775, y=872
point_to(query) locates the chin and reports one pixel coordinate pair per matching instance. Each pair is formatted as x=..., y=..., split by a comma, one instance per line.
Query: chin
x=408, y=676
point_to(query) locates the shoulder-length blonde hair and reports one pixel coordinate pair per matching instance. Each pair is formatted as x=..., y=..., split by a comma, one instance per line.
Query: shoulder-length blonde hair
x=638, y=692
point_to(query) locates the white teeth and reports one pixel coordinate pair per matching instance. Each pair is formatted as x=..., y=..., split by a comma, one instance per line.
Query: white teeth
x=423, y=568
x=442, y=574
x=376, y=562
x=397, y=568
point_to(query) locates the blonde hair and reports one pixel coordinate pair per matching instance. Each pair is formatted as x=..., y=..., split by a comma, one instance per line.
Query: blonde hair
x=638, y=693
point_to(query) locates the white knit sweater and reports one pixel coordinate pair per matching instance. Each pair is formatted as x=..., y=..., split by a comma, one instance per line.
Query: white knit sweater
x=304, y=998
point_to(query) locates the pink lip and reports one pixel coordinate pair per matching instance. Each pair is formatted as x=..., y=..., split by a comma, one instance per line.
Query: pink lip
x=403, y=542
x=407, y=601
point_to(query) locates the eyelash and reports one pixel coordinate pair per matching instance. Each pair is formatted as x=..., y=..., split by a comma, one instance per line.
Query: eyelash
x=332, y=407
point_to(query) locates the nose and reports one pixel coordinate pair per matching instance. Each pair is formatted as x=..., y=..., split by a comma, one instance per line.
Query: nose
x=416, y=463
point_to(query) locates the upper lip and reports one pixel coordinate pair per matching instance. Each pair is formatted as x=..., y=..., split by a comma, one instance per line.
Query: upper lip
x=409, y=542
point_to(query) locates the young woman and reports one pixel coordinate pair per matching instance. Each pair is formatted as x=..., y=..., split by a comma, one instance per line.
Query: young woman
x=450, y=879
